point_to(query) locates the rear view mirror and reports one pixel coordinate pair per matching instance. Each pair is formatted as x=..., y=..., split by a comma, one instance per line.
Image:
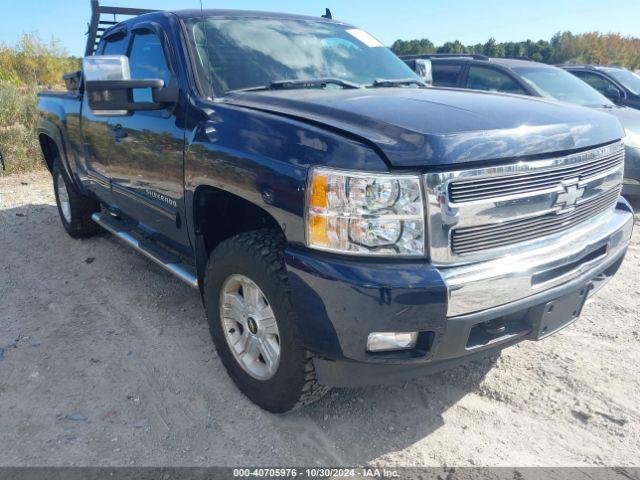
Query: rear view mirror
x=109, y=87
x=424, y=70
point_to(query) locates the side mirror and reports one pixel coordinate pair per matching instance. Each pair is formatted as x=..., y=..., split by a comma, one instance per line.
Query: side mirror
x=72, y=81
x=110, y=88
x=613, y=94
x=424, y=70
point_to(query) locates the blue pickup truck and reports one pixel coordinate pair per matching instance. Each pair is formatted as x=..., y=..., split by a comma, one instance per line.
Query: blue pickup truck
x=344, y=224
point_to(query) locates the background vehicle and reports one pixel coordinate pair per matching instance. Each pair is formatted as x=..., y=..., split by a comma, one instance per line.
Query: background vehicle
x=618, y=84
x=526, y=77
x=282, y=165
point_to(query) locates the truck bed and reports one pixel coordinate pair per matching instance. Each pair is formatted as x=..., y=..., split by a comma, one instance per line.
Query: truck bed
x=59, y=119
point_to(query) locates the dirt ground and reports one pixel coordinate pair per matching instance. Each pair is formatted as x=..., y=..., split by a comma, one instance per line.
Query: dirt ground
x=107, y=360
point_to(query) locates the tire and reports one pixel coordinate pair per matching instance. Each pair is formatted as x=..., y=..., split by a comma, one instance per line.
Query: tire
x=258, y=257
x=74, y=208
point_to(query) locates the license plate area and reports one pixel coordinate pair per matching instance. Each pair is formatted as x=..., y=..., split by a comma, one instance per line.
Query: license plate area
x=553, y=316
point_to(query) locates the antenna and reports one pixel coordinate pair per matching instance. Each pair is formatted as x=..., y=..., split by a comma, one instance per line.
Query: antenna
x=327, y=14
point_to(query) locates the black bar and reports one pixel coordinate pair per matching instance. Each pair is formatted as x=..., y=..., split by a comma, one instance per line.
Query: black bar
x=475, y=56
x=304, y=473
x=123, y=84
x=125, y=11
x=95, y=34
x=93, y=28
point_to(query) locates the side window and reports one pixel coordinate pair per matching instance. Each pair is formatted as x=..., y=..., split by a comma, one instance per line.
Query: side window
x=490, y=79
x=146, y=57
x=445, y=75
x=596, y=81
x=115, y=44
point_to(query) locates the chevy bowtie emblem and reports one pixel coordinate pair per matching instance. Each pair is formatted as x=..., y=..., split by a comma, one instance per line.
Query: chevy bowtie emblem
x=567, y=199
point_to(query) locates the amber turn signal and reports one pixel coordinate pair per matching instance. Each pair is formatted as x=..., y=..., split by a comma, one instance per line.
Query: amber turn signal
x=319, y=191
x=319, y=230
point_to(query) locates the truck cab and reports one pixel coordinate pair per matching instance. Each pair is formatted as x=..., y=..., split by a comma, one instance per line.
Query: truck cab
x=344, y=224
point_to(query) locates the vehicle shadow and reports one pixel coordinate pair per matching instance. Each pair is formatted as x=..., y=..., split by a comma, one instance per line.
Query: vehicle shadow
x=635, y=203
x=365, y=424
x=110, y=310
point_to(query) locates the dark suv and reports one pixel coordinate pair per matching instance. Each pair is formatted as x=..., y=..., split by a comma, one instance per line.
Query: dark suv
x=620, y=85
x=525, y=77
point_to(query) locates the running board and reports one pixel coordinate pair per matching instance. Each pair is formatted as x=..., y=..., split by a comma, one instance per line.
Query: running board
x=115, y=226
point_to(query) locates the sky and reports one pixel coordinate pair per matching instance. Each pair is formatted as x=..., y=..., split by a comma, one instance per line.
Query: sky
x=470, y=21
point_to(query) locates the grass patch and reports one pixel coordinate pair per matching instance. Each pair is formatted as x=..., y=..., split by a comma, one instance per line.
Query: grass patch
x=18, y=122
x=26, y=67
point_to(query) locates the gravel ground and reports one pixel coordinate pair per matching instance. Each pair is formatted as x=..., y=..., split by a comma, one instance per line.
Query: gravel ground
x=107, y=360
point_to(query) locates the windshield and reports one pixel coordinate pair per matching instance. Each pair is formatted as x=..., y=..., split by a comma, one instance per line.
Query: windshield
x=239, y=53
x=561, y=85
x=628, y=79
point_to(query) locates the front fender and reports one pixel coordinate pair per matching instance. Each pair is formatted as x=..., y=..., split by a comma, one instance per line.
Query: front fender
x=265, y=158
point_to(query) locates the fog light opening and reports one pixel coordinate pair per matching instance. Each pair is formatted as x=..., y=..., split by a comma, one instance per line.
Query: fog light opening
x=497, y=326
x=391, y=341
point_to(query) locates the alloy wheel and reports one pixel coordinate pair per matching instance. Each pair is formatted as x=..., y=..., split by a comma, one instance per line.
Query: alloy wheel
x=250, y=327
x=63, y=198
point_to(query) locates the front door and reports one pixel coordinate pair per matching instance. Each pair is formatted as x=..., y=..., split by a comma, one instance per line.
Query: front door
x=97, y=141
x=492, y=80
x=601, y=83
x=146, y=162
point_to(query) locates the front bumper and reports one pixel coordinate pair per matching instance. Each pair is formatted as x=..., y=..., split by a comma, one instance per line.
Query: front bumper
x=340, y=301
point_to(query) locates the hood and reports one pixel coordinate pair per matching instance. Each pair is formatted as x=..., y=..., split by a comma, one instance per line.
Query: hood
x=421, y=127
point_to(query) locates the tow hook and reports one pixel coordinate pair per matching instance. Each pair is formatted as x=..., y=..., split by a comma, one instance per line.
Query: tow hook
x=494, y=327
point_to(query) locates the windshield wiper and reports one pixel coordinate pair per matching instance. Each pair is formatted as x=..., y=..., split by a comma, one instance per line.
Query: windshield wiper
x=396, y=82
x=248, y=89
x=311, y=82
x=302, y=83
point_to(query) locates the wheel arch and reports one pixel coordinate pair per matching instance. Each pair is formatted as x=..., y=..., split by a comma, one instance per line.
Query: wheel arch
x=52, y=146
x=50, y=150
x=218, y=215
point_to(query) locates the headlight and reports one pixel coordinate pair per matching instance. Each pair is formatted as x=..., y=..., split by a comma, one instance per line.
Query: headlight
x=365, y=214
x=632, y=139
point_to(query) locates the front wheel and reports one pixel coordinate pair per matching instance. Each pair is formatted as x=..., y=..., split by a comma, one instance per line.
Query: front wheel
x=253, y=323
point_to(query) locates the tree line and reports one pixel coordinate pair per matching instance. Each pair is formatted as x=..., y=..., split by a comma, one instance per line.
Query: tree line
x=25, y=67
x=564, y=47
x=31, y=61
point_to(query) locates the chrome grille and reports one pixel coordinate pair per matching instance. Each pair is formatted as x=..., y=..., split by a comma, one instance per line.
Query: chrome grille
x=473, y=239
x=483, y=213
x=482, y=188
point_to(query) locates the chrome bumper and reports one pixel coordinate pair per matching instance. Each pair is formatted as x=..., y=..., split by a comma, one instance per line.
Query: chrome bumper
x=577, y=253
